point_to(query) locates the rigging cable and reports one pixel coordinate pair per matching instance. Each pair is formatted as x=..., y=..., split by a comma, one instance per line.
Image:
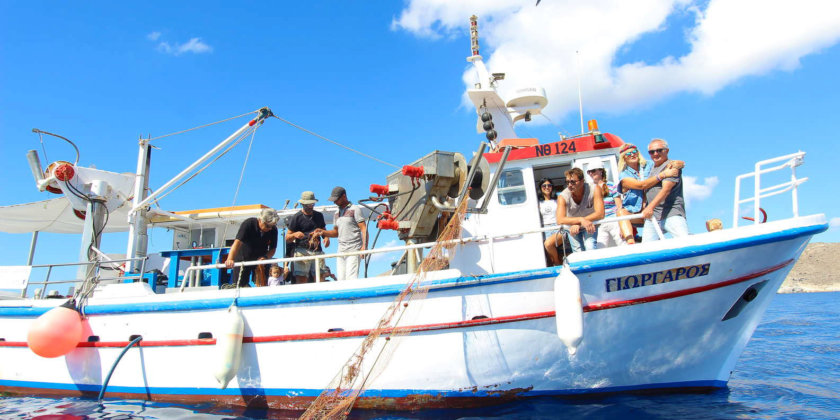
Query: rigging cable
x=366, y=258
x=224, y=152
x=335, y=142
x=35, y=130
x=202, y=126
x=241, y=175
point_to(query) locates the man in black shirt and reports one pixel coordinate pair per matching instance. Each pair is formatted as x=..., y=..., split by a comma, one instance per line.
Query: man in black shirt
x=256, y=240
x=306, y=228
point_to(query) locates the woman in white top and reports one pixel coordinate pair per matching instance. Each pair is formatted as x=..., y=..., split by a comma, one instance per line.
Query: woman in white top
x=548, y=205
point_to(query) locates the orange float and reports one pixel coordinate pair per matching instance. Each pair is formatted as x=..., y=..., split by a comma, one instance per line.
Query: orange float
x=57, y=332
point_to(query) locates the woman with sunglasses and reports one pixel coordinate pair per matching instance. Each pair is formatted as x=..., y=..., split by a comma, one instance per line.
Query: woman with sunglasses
x=634, y=178
x=548, y=207
x=548, y=212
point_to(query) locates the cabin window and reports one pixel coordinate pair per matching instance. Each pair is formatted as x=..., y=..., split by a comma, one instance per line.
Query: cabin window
x=203, y=238
x=511, y=188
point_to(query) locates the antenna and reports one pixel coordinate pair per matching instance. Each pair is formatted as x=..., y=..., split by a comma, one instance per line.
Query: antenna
x=474, y=39
x=580, y=97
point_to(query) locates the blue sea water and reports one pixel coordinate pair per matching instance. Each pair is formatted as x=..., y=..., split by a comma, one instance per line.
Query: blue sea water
x=790, y=369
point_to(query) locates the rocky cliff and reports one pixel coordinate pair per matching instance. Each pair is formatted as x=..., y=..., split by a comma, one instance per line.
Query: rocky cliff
x=818, y=270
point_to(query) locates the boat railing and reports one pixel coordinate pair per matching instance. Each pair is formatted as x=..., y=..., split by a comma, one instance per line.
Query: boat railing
x=788, y=161
x=193, y=273
x=98, y=265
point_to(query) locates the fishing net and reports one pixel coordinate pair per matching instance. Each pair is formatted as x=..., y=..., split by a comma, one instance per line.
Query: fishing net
x=336, y=401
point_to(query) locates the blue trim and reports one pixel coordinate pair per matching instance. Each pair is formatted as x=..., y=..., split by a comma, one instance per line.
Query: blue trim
x=443, y=284
x=294, y=298
x=369, y=393
x=694, y=250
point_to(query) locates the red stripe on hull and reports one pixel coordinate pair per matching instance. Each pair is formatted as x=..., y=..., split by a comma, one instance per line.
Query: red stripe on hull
x=679, y=293
x=432, y=327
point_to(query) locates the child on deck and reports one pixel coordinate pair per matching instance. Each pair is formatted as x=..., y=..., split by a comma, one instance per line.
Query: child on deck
x=275, y=276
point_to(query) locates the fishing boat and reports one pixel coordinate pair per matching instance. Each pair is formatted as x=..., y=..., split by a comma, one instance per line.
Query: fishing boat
x=471, y=314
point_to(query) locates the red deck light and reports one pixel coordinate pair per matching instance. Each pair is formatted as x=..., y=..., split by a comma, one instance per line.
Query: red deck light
x=379, y=189
x=65, y=172
x=413, y=171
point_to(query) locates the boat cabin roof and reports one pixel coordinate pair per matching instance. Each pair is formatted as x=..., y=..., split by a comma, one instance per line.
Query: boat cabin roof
x=569, y=146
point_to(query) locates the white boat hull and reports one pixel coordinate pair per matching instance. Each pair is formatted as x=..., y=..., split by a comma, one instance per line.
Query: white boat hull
x=475, y=339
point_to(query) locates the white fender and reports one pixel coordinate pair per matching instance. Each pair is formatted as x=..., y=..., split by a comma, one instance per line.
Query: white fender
x=229, y=346
x=568, y=309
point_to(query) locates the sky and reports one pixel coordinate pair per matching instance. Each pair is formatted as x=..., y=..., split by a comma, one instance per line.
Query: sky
x=727, y=83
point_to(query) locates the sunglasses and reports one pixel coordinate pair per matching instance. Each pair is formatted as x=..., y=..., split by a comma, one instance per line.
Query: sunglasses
x=547, y=186
x=572, y=181
x=655, y=151
x=633, y=152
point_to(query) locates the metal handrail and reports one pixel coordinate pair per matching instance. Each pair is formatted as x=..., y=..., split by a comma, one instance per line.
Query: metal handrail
x=789, y=161
x=481, y=238
x=98, y=264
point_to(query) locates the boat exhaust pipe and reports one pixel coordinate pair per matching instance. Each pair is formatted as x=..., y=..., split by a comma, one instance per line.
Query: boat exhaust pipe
x=35, y=167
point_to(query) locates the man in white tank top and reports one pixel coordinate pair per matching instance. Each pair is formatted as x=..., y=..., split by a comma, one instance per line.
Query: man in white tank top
x=579, y=205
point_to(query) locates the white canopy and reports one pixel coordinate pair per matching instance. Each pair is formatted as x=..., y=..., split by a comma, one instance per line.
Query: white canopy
x=55, y=216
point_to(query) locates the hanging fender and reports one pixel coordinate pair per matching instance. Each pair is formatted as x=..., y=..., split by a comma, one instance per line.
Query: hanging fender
x=568, y=309
x=229, y=346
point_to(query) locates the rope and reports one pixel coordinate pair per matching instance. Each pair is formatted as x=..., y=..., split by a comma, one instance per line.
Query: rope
x=241, y=175
x=335, y=142
x=202, y=126
x=43, y=146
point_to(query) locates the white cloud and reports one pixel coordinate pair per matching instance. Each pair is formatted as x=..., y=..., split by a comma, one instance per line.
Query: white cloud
x=834, y=223
x=693, y=191
x=194, y=45
x=536, y=45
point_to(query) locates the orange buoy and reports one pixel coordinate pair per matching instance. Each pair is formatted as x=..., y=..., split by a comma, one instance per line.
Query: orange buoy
x=57, y=332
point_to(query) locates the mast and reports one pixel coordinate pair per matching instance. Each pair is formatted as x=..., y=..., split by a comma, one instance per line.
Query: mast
x=497, y=116
x=138, y=239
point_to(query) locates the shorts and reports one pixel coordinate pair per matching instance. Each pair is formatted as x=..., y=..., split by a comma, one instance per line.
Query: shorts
x=307, y=268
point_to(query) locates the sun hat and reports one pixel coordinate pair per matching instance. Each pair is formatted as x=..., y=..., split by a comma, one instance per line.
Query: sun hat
x=307, y=197
x=337, y=192
x=595, y=165
x=626, y=147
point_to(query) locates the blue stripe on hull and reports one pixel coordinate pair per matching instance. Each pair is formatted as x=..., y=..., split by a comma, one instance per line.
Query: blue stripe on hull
x=161, y=393
x=443, y=284
x=695, y=250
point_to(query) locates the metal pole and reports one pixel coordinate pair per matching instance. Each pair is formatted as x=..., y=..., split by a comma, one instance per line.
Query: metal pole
x=137, y=227
x=794, y=184
x=471, y=175
x=580, y=96
x=32, y=248
x=495, y=180
x=757, y=193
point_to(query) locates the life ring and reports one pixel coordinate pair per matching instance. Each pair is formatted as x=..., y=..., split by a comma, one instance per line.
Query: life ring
x=763, y=216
